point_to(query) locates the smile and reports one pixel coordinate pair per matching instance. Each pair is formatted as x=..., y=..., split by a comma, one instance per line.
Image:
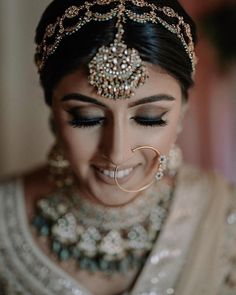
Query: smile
x=119, y=174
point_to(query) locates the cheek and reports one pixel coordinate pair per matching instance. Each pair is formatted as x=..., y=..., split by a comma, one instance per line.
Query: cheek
x=164, y=137
x=80, y=145
x=169, y=138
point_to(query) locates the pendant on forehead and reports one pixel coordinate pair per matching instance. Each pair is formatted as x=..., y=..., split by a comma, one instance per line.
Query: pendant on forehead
x=116, y=71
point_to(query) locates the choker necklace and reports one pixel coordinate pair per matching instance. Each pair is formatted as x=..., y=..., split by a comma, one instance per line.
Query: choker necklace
x=102, y=238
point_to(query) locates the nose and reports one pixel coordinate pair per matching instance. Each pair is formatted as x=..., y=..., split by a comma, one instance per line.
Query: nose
x=116, y=142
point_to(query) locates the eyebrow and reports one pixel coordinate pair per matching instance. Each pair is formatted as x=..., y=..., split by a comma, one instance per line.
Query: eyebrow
x=84, y=98
x=153, y=98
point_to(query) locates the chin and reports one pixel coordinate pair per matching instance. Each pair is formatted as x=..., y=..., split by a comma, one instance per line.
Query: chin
x=102, y=189
x=111, y=195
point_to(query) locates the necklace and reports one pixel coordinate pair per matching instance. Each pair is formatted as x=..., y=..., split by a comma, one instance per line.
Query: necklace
x=100, y=238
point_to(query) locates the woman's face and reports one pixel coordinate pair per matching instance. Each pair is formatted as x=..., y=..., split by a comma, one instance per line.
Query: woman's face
x=98, y=133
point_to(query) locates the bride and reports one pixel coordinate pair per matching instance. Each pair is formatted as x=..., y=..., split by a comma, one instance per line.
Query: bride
x=114, y=210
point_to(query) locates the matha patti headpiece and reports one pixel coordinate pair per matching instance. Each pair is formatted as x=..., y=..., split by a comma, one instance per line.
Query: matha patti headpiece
x=116, y=70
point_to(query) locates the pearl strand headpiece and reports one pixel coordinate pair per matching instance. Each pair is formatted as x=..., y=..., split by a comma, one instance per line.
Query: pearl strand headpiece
x=116, y=70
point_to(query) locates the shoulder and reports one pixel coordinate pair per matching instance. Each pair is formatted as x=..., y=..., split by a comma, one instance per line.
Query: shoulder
x=31, y=185
x=219, y=221
x=188, y=172
x=211, y=189
x=208, y=181
x=10, y=191
x=221, y=211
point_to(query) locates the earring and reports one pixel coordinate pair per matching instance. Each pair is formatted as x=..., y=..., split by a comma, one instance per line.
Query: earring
x=175, y=160
x=162, y=167
x=59, y=167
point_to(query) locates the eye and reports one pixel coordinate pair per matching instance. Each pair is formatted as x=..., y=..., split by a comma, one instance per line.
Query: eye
x=86, y=122
x=84, y=119
x=152, y=121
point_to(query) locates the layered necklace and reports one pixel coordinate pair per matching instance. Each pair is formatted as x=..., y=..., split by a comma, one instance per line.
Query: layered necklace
x=102, y=238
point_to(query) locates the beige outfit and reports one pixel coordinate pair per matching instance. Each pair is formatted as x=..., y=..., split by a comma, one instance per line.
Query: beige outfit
x=195, y=252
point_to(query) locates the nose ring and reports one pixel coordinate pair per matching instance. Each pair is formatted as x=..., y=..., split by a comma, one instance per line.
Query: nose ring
x=159, y=174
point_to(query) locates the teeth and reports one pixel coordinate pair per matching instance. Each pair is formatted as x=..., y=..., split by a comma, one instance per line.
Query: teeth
x=119, y=174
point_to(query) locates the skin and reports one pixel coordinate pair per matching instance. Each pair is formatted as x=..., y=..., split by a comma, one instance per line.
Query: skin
x=92, y=149
x=104, y=145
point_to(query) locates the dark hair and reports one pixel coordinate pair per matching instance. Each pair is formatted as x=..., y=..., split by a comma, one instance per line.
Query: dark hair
x=155, y=44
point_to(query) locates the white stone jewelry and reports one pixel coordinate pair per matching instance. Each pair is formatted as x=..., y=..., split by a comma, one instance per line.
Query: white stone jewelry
x=116, y=71
x=100, y=238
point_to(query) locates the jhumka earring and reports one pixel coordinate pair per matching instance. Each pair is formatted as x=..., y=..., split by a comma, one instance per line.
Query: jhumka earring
x=161, y=166
x=59, y=167
x=175, y=160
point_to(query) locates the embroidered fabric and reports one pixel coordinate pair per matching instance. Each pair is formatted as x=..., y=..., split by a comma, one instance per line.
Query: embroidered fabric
x=178, y=264
x=229, y=255
x=21, y=262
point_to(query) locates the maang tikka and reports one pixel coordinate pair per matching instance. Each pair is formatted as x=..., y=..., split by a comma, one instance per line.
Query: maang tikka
x=116, y=70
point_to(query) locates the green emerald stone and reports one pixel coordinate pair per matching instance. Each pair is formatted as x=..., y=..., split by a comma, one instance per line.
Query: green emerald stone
x=76, y=253
x=104, y=265
x=44, y=230
x=83, y=263
x=64, y=254
x=124, y=265
x=56, y=247
x=39, y=222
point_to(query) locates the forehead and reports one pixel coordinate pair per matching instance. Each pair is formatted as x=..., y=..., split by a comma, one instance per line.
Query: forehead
x=159, y=82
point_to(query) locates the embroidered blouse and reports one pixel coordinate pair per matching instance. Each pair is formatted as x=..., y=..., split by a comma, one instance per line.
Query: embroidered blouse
x=194, y=254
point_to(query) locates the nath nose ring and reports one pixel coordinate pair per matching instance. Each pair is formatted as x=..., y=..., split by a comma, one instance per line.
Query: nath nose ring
x=159, y=174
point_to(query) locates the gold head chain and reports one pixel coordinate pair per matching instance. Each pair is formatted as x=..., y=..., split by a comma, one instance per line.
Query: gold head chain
x=116, y=70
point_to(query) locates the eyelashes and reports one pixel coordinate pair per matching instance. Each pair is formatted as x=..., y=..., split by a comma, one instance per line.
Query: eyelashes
x=86, y=122
x=150, y=121
x=145, y=121
x=83, y=121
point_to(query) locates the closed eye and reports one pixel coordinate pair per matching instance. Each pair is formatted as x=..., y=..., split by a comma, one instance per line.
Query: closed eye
x=151, y=121
x=86, y=122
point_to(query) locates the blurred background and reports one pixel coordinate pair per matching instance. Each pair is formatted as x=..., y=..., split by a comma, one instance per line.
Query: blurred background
x=209, y=136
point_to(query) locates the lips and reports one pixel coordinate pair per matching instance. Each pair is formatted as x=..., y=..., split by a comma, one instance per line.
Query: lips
x=107, y=174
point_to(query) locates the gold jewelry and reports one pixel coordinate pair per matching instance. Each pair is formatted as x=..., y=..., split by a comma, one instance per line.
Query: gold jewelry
x=84, y=14
x=59, y=167
x=162, y=161
x=116, y=71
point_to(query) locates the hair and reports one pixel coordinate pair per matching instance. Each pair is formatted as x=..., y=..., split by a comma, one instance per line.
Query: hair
x=155, y=44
